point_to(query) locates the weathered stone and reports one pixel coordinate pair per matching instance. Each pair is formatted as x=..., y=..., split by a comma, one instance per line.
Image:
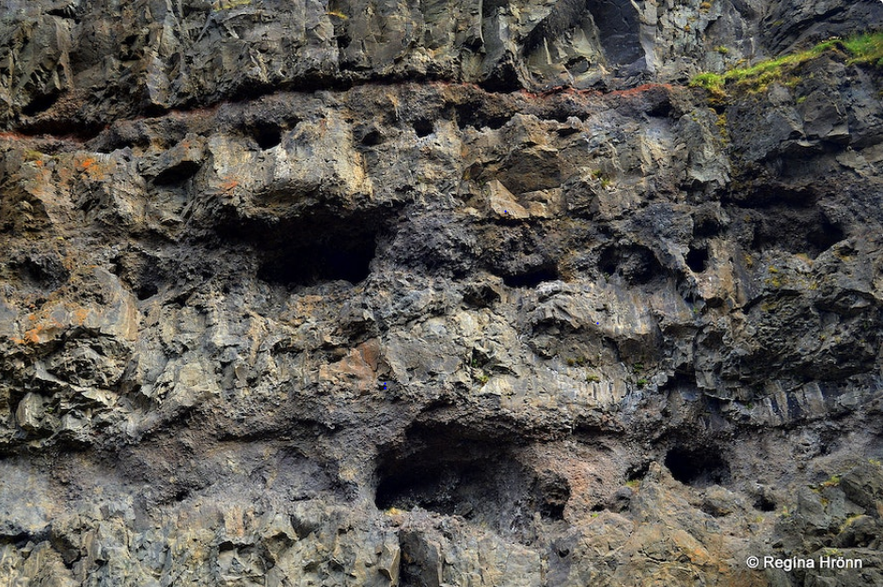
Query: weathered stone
x=379, y=293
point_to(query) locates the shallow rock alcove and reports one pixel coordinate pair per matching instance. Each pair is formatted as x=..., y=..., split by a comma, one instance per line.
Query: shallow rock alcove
x=483, y=481
x=697, y=467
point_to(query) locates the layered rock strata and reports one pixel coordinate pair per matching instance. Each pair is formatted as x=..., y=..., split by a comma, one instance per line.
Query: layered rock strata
x=436, y=294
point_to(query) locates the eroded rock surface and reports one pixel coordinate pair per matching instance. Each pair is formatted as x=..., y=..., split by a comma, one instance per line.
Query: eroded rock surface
x=435, y=294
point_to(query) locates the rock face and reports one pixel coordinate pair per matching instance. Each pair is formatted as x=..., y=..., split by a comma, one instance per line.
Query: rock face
x=443, y=293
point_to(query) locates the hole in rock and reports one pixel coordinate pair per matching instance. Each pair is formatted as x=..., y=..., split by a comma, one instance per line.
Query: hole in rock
x=765, y=504
x=371, y=138
x=40, y=104
x=142, y=273
x=320, y=248
x=532, y=278
x=475, y=115
x=697, y=468
x=423, y=127
x=315, y=263
x=795, y=230
x=697, y=259
x=177, y=173
x=684, y=382
x=661, y=109
x=637, y=472
x=554, y=492
x=267, y=136
x=44, y=271
x=636, y=263
x=146, y=290
x=824, y=236
x=706, y=227
x=480, y=480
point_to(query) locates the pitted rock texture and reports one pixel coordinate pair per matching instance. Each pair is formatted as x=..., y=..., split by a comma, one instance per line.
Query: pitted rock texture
x=78, y=65
x=339, y=294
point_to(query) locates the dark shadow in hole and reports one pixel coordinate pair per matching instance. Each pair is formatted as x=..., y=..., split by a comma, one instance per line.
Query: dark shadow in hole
x=475, y=115
x=177, y=173
x=637, y=472
x=554, y=493
x=317, y=247
x=697, y=259
x=371, y=138
x=764, y=504
x=707, y=227
x=142, y=273
x=698, y=468
x=480, y=480
x=823, y=236
x=45, y=271
x=423, y=127
x=40, y=104
x=315, y=263
x=532, y=278
x=146, y=290
x=267, y=136
x=636, y=263
x=806, y=231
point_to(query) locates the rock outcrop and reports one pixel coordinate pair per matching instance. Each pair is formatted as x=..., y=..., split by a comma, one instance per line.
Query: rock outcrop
x=374, y=293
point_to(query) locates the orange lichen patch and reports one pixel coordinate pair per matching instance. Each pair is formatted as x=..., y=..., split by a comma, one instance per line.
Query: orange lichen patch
x=93, y=167
x=49, y=322
x=229, y=184
x=79, y=316
x=39, y=333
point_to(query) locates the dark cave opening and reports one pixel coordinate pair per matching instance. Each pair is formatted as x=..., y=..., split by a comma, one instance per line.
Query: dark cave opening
x=697, y=259
x=437, y=485
x=41, y=270
x=41, y=104
x=332, y=259
x=310, y=247
x=697, y=468
x=370, y=137
x=177, y=173
x=481, y=480
x=142, y=273
x=706, y=227
x=823, y=236
x=636, y=263
x=267, y=136
x=799, y=230
x=477, y=115
x=764, y=504
x=146, y=290
x=423, y=127
x=532, y=278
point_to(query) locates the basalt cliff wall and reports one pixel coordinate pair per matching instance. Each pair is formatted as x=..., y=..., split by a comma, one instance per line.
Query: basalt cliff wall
x=378, y=293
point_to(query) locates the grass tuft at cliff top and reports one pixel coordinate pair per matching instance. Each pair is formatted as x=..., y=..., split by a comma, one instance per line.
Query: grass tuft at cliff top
x=866, y=48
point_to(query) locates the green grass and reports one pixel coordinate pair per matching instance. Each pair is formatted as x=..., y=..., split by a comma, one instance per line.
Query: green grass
x=230, y=4
x=866, y=48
